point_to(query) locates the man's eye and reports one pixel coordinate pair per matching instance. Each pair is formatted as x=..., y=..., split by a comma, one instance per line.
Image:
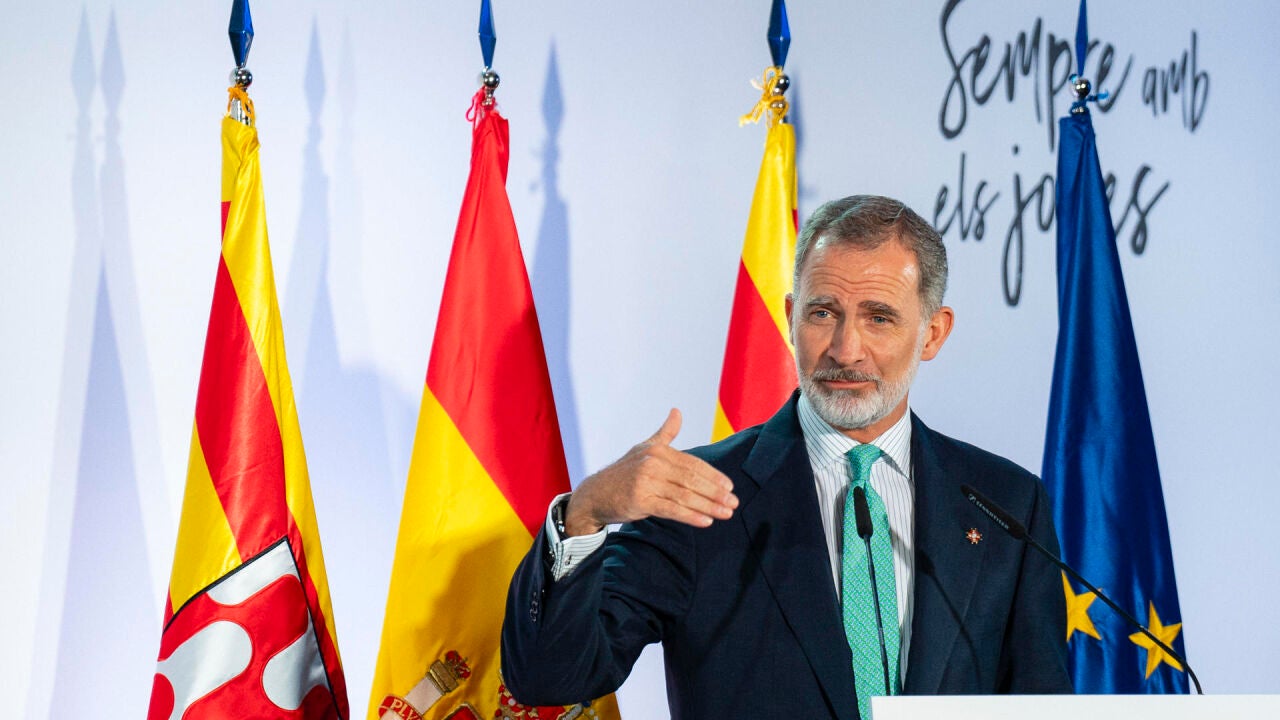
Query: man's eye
x=879, y=320
x=822, y=314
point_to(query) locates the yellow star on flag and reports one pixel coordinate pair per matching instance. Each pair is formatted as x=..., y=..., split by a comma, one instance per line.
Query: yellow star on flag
x=1166, y=633
x=1078, y=611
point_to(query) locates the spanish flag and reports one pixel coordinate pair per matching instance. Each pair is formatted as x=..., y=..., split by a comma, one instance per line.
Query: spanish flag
x=487, y=461
x=248, y=628
x=759, y=371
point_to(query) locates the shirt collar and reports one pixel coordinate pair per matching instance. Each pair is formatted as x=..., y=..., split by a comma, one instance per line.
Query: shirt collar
x=827, y=445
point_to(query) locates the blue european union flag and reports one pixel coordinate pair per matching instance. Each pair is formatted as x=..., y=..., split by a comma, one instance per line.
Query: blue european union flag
x=1100, y=455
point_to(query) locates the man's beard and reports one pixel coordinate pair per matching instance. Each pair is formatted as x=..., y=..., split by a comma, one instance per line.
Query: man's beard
x=857, y=409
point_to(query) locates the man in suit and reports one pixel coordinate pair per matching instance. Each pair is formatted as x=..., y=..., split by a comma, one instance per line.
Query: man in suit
x=741, y=557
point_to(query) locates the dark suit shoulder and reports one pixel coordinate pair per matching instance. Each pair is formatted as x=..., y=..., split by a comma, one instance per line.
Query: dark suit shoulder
x=985, y=468
x=955, y=452
x=1016, y=490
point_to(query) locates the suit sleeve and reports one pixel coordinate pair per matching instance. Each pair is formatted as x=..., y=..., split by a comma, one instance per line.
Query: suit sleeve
x=1034, y=660
x=575, y=639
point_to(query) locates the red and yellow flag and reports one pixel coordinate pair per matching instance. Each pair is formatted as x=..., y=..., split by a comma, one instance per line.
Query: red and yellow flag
x=248, y=628
x=759, y=370
x=487, y=460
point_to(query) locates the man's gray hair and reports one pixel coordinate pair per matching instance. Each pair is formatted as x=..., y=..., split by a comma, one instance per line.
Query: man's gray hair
x=868, y=221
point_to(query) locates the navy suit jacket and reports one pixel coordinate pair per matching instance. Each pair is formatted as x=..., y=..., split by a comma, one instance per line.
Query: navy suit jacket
x=747, y=611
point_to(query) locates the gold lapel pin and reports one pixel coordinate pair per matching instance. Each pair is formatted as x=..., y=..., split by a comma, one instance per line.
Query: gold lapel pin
x=973, y=536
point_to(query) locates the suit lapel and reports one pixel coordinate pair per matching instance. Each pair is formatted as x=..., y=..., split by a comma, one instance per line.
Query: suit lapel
x=947, y=567
x=786, y=534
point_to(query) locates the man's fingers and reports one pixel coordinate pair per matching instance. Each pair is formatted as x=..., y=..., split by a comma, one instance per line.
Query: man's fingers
x=696, y=474
x=699, y=504
x=670, y=428
x=654, y=479
x=681, y=487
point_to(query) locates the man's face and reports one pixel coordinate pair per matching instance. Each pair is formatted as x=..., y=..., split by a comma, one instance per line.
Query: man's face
x=859, y=330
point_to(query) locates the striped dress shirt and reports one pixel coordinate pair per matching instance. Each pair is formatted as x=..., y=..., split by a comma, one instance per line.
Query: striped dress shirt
x=890, y=477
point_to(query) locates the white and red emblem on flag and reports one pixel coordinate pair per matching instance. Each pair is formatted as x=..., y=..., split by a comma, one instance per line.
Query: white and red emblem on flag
x=245, y=647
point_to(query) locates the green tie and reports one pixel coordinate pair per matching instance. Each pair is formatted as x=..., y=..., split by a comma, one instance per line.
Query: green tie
x=856, y=599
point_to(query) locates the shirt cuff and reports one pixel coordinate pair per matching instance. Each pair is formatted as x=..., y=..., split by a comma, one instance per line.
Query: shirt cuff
x=567, y=553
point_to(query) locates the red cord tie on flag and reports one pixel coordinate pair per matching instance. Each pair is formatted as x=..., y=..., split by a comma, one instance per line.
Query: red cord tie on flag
x=483, y=100
x=481, y=104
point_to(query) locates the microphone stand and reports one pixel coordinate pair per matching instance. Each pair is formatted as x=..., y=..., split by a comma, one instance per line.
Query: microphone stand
x=1019, y=532
x=862, y=517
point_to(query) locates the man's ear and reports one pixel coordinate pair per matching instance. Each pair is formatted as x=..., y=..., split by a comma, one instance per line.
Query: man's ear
x=935, y=334
x=787, y=306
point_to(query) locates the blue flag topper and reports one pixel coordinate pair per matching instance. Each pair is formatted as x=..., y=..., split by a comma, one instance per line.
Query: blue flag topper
x=1082, y=39
x=779, y=35
x=1079, y=83
x=241, y=31
x=488, y=38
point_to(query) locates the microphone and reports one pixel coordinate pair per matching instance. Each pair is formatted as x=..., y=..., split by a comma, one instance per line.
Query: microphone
x=1019, y=532
x=862, y=514
x=862, y=519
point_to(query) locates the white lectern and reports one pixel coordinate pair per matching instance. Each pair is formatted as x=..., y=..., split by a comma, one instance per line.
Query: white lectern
x=1077, y=707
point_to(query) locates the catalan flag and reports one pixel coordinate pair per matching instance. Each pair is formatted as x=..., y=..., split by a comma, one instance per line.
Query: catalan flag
x=1100, y=455
x=759, y=371
x=248, y=628
x=487, y=461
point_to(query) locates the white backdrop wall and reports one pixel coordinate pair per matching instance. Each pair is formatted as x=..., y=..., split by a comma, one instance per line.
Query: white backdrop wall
x=630, y=182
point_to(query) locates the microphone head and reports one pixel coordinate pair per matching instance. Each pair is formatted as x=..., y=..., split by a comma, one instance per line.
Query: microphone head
x=995, y=512
x=861, y=513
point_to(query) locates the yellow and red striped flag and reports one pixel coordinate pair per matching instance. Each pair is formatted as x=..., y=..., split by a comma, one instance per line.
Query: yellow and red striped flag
x=248, y=628
x=759, y=370
x=487, y=461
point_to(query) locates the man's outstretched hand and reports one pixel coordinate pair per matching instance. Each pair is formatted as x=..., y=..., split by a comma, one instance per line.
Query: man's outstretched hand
x=652, y=480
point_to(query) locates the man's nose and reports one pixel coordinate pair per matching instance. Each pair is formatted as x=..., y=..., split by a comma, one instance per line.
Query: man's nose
x=847, y=347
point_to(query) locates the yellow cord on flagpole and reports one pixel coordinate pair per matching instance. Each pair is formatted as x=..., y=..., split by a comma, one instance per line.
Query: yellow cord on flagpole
x=772, y=104
x=236, y=92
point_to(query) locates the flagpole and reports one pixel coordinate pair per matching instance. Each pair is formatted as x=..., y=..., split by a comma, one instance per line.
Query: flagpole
x=1100, y=466
x=487, y=462
x=489, y=79
x=1082, y=88
x=247, y=509
x=758, y=373
x=240, y=30
x=779, y=37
